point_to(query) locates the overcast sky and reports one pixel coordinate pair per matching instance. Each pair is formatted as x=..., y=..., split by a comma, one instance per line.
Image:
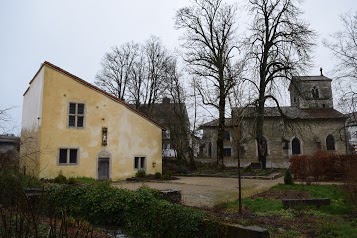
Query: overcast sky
x=75, y=34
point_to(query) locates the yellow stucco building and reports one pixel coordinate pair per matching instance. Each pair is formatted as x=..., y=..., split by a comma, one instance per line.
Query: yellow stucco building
x=73, y=128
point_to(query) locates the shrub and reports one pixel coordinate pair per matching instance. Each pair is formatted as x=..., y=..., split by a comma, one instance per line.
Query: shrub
x=140, y=174
x=350, y=186
x=61, y=179
x=157, y=175
x=167, y=176
x=288, y=179
x=320, y=166
x=140, y=212
x=72, y=181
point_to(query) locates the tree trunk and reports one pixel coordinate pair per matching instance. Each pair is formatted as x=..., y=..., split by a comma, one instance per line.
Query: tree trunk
x=221, y=128
x=261, y=141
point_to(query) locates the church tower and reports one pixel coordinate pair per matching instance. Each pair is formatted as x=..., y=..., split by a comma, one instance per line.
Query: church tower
x=311, y=92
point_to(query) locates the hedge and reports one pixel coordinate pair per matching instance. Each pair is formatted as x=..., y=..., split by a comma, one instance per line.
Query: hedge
x=141, y=212
x=321, y=166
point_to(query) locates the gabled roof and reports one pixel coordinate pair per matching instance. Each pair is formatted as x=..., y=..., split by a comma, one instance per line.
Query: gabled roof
x=95, y=88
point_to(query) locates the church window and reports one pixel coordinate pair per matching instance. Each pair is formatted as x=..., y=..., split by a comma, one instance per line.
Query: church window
x=330, y=142
x=315, y=92
x=210, y=149
x=227, y=152
x=295, y=146
x=227, y=136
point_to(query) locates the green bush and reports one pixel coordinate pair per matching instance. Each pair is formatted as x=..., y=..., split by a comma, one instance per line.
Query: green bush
x=288, y=178
x=72, y=181
x=140, y=174
x=166, y=176
x=141, y=212
x=61, y=179
x=158, y=175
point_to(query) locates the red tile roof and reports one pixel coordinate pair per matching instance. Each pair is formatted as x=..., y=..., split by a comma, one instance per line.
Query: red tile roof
x=91, y=86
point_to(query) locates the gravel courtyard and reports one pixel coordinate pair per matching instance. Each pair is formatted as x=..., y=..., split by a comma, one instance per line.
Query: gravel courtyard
x=206, y=191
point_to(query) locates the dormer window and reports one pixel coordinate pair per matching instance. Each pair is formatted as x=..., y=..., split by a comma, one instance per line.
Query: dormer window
x=315, y=92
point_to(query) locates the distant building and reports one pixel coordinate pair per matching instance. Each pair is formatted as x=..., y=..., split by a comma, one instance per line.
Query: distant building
x=9, y=150
x=311, y=125
x=173, y=117
x=9, y=142
x=78, y=130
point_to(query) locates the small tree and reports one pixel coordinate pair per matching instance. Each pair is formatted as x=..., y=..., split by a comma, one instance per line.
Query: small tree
x=288, y=178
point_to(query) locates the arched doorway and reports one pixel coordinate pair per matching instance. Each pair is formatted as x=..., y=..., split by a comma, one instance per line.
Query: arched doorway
x=295, y=146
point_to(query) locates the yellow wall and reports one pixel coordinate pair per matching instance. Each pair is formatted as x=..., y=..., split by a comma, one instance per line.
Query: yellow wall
x=129, y=134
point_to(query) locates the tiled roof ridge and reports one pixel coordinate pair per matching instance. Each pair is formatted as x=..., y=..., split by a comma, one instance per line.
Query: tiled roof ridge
x=95, y=88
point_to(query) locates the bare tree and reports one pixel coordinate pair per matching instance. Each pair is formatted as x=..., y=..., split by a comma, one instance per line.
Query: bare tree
x=136, y=73
x=116, y=69
x=279, y=46
x=209, y=32
x=5, y=120
x=179, y=123
x=343, y=45
x=158, y=63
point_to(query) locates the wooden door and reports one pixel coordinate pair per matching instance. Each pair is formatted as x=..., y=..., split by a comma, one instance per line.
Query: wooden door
x=103, y=168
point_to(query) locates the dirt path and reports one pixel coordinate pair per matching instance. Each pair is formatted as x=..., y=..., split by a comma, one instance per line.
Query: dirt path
x=206, y=191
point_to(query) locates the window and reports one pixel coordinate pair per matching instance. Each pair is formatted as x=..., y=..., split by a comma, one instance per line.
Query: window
x=227, y=136
x=330, y=142
x=68, y=156
x=315, y=92
x=295, y=146
x=139, y=163
x=227, y=152
x=210, y=149
x=76, y=115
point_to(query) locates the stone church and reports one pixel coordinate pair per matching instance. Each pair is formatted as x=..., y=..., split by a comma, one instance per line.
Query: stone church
x=309, y=125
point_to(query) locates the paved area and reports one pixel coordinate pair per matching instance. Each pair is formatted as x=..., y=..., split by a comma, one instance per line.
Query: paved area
x=206, y=191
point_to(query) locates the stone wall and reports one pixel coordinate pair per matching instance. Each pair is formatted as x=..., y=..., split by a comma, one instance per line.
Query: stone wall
x=279, y=135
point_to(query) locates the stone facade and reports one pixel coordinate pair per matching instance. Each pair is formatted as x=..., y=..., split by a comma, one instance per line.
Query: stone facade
x=309, y=125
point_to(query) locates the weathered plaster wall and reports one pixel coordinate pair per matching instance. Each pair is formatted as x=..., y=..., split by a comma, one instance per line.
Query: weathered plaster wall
x=31, y=122
x=129, y=134
x=308, y=132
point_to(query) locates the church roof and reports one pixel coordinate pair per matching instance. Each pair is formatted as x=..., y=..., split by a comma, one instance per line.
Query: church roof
x=312, y=78
x=214, y=123
x=290, y=112
x=294, y=113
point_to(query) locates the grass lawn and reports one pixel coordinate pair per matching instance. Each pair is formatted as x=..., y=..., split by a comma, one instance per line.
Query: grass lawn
x=266, y=210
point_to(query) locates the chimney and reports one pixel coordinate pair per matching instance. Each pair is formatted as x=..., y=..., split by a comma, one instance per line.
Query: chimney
x=321, y=72
x=165, y=100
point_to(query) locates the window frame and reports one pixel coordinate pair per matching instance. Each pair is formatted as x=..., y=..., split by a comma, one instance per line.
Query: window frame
x=292, y=146
x=227, y=136
x=68, y=156
x=227, y=149
x=140, y=163
x=76, y=115
x=330, y=138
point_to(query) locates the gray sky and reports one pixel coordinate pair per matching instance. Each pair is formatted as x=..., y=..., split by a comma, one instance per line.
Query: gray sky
x=74, y=35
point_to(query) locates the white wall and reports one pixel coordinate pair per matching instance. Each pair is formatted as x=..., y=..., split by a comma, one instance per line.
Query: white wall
x=32, y=103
